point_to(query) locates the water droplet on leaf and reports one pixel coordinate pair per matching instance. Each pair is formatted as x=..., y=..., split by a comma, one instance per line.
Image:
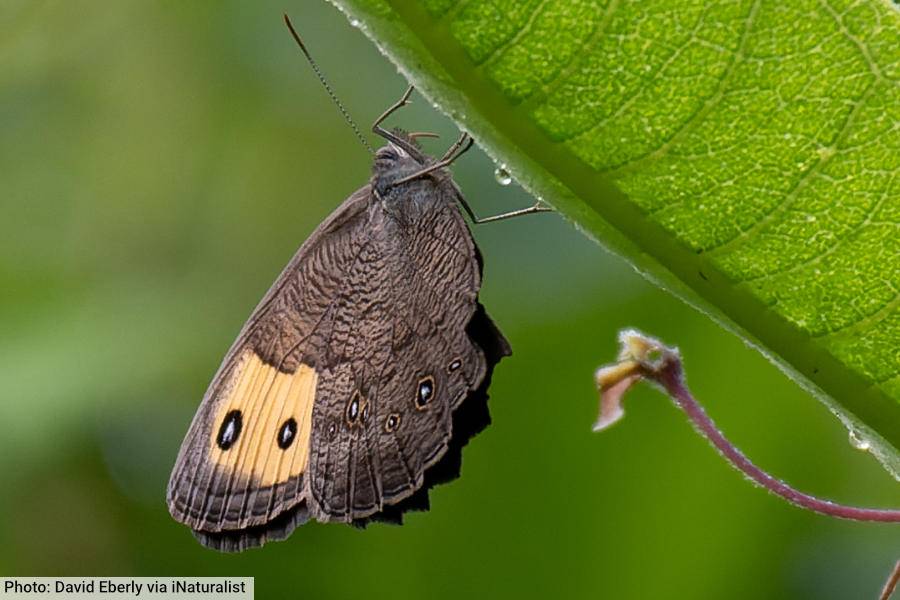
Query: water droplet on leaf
x=502, y=175
x=859, y=442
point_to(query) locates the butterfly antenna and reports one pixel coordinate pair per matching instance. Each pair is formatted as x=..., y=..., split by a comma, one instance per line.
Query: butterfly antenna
x=327, y=87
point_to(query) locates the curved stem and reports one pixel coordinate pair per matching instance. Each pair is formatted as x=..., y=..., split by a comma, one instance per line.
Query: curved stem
x=670, y=378
x=642, y=357
x=891, y=583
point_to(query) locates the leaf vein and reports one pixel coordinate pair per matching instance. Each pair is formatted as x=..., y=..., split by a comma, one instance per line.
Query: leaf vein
x=566, y=70
x=831, y=249
x=863, y=324
x=498, y=52
x=697, y=116
x=630, y=101
x=793, y=193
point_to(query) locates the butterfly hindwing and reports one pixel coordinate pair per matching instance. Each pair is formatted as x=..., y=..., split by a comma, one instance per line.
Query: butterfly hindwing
x=387, y=414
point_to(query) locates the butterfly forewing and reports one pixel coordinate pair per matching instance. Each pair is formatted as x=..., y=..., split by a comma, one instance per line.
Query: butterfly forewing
x=272, y=361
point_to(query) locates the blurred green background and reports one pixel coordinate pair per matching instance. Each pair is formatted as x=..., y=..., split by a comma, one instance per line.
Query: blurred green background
x=159, y=164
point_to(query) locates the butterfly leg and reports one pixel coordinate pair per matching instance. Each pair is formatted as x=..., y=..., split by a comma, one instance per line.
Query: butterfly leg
x=463, y=138
x=538, y=207
x=379, y=130
x=460, y=147
x=444, y=162
x=420, y=134
x=403, y=101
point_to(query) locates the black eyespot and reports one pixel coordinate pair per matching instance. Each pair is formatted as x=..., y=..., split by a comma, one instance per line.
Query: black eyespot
x=425, y=391
x=455, y=364
x=392, y=422
x=230, y=429
x=353, y=408
x=286, y=434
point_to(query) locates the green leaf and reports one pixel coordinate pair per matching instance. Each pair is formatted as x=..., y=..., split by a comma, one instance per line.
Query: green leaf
x=745, y=155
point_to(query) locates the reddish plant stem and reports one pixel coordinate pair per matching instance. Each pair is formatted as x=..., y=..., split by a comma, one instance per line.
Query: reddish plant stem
x=891, y=584
x=671, y=379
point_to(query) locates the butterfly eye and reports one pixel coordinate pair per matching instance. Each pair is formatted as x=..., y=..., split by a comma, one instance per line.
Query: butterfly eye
x=424, y=392
x=230, y=429
x=286, y=434
x=386, y=153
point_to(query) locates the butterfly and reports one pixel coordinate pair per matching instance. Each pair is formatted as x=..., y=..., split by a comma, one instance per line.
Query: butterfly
x=358, y=378
x=353, y=386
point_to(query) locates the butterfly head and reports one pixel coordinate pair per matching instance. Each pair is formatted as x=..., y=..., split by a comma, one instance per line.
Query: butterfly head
x=399, y=158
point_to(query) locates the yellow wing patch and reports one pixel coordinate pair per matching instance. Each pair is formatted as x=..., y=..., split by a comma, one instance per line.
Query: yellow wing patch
x=267, y=401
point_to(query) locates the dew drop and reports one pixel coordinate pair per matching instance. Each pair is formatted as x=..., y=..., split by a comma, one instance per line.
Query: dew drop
x=502, y=175
x=354, y=22
x=859, y=442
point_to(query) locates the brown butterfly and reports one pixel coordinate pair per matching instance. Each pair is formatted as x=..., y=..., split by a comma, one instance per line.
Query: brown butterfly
x=355, y=383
